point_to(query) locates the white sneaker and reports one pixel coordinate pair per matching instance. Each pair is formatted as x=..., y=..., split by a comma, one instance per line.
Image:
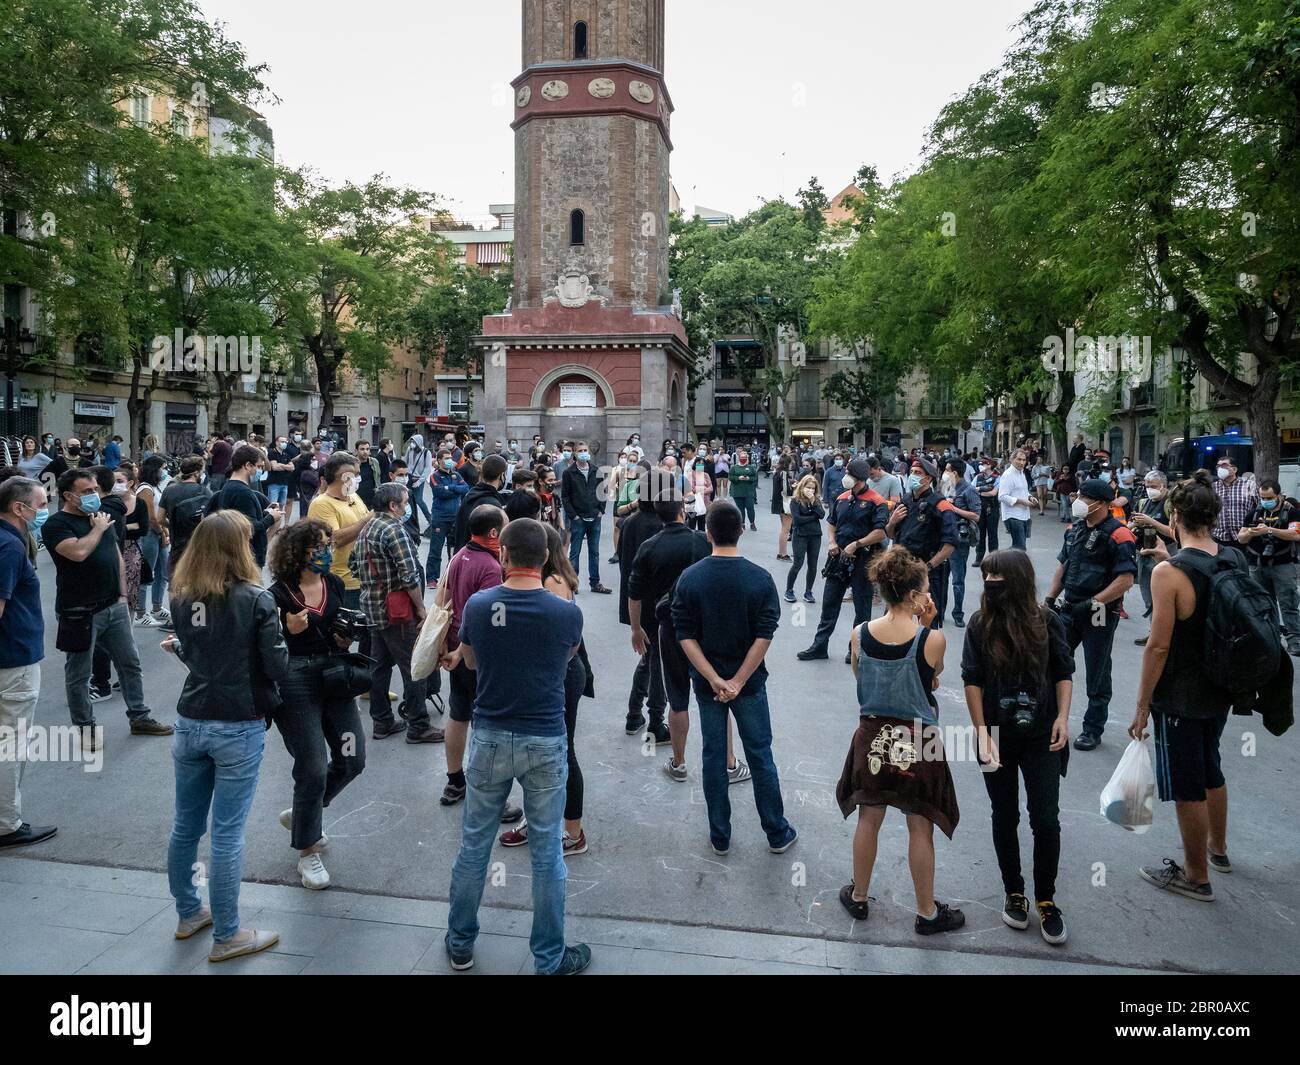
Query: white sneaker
x=286, y=819
x=312, y=871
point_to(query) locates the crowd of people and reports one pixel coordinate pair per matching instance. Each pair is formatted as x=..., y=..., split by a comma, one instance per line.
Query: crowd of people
x=182, y=547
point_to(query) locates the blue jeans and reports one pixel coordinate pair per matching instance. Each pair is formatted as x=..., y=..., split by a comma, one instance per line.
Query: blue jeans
x=217, y=763
x=541, y=764
x=754, y=725
x=417, y=501
x=959, y=561
x=153, y=552
x=278, y=493
x=587, y=529
x=437, y=532
x=1018, y=528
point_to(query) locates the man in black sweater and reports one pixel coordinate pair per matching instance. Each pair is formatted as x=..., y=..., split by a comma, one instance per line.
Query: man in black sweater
x=488, y=490
x=237, y=494
x=585, y=498
x=726, y=611
x=648, y=681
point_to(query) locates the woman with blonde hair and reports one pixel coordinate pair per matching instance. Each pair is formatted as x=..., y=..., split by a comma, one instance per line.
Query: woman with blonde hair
x=228, y=635
x=806, y=514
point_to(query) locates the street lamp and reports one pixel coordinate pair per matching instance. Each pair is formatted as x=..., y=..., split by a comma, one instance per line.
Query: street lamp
x=274, y=387
x=20, y=345
x=1186, y=370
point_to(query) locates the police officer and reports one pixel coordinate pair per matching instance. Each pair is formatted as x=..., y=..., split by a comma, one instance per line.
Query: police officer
x=857, y=523
x=1269, y=535
x=926, y=524
x=1098, y=563
x=986, y=485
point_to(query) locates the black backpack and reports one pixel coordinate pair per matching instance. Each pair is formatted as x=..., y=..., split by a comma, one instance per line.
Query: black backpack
x=186, y=515
x=1243, y=641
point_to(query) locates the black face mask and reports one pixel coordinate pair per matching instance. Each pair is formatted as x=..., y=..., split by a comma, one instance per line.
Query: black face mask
x=995, y=593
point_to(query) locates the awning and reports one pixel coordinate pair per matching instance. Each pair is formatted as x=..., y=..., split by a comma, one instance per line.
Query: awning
x=493, y=254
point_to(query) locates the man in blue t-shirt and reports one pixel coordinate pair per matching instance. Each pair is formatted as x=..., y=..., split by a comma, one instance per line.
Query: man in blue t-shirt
x=519, y=734
x=725, y=612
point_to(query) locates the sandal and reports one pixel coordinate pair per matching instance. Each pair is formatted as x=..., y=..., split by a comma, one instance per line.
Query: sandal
x=857, y=909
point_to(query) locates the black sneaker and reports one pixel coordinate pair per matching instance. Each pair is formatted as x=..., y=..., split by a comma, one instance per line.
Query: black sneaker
x=789, y=595
x=660, y=732
x=459, y=962
x=1051, y=923
x=858, y=908
x=576, y=958
x=98, y=695
x=959, y=622
x=812, y=653
x=383, y=729
x=1015, y=912
x=1171, y=877
x=1087, y=742
x=635, y=723
x=945, y=920
x=1219, y=863
x=452, y=794
x=848, y=657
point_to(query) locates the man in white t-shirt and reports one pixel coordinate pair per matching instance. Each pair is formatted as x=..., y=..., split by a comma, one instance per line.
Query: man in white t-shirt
x=1016, y=499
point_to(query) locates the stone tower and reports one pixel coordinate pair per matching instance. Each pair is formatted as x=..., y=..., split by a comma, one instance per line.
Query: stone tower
x=591, y=346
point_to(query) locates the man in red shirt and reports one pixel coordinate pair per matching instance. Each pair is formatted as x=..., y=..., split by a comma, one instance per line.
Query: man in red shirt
x=474, y=568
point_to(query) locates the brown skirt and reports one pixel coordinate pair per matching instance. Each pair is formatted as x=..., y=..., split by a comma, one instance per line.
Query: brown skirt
x=908, y=775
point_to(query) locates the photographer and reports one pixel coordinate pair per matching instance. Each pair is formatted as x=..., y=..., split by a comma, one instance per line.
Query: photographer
x=1017, y=668
x=319, y=721
x=1269, y=536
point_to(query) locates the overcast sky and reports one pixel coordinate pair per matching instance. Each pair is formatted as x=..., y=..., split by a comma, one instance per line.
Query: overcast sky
x=767, y=92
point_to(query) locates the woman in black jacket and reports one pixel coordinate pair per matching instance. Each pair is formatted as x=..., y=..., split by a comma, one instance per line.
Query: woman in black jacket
x=228, y=635
x=806, y=514
x=320, y=724
x=1017, y=668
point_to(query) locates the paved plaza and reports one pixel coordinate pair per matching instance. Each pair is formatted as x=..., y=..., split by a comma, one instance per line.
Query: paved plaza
x=650, y=896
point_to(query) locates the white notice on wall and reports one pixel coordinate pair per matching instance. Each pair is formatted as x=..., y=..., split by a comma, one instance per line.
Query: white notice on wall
x=577, y=395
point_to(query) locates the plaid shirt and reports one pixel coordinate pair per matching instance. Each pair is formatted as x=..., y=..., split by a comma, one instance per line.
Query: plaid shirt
x=384, y=561
x=1237, y=500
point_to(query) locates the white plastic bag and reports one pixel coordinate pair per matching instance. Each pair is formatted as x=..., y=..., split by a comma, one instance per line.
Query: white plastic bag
x=1129, y=800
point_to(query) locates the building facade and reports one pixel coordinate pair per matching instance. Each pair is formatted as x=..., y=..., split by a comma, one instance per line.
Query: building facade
x=591, y=346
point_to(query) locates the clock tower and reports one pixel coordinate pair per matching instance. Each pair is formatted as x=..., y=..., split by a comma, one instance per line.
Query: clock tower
x=592, y=345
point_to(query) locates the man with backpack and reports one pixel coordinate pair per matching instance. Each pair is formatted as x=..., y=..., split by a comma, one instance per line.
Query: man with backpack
x=183, y=503
x=1214, y=641
x=1098, y=563
x=1269, y=534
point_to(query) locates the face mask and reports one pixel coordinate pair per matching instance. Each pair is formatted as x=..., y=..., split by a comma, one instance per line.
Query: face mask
x=477, y=456
x=1155, y=494
x=89, y=503
x=568, y=455
x=914, y=482
x=1224, y=473
x=120, y=489
x=699, y=466
x=995, y=592
x=449, y=464
x=282, y=444
x=73, y=449
x=297, y=438
x=585, y=456
x=321, y=561
x=1103, y=476
x=847, y=482
x=670, y=454
x=349, y=489
x=839, y=463
x=38, y=519
x=406, y=516
x=1268, y=504
x=1079, y=508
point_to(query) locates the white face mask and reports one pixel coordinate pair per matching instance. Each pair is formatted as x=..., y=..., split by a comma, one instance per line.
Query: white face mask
x=1155, y=494
x=1079, y=508
x=1224, y=473
x=848, y=483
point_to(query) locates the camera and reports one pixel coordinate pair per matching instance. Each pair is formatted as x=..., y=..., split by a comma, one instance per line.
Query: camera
x=349, y=625
x=1021, y=708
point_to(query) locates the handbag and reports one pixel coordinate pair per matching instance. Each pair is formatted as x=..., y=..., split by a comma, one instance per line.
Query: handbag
x=75, y=628
x=350, y=671
x=433, y=634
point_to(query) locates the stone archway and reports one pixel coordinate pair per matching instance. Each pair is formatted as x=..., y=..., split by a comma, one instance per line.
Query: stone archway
x=571, y=370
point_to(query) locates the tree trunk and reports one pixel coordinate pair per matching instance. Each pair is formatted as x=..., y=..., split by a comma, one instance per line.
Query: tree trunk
x=225, y=398
x=327, y=372
x=138, y=404
x=1261, y=416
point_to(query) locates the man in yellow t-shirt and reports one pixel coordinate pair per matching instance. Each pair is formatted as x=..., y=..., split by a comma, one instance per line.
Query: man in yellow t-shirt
x=339, y=507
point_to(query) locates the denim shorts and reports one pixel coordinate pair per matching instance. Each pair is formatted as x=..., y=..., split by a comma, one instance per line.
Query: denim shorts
x=1187, y=756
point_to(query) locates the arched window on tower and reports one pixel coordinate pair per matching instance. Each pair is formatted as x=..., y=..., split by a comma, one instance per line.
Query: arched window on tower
x=577, y=229
x=580, y=41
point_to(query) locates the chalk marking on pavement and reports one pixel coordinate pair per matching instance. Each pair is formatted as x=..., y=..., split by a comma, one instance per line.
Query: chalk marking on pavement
x=388, y=821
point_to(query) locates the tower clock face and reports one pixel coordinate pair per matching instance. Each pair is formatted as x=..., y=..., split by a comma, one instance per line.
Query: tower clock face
x=524, y=95
x=555, y=90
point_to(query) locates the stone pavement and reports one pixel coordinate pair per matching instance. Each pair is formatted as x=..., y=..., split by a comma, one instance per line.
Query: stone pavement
x=66, y=919
x=650, y=862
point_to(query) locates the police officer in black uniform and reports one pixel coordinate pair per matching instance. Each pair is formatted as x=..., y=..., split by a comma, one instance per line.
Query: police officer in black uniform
x=926, y=524
x=1098, y=563
x=857, y=523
